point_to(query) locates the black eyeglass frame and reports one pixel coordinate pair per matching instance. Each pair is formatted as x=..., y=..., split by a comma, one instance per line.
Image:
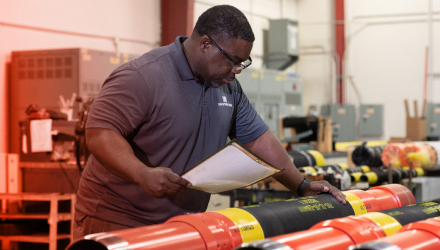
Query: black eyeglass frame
x=243, y=66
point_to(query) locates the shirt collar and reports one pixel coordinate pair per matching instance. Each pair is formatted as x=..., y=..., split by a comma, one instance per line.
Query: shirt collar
x=180, y=61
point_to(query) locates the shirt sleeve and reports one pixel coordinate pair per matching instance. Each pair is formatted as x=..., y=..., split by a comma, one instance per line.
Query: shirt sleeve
x=121, y=105
x=247, y=125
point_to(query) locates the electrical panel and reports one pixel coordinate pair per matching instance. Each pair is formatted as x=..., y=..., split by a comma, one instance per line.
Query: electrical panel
x=433, y=120
x=370, y=120
x=343, y=121
x=274, y=94
x=283, y=44
x=40, y=77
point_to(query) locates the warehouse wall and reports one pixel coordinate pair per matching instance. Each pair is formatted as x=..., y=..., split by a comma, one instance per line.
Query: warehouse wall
x=385, y=56
x=29, y=25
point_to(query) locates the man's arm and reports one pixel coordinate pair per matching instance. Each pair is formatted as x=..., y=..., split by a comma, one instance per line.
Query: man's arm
x=269, y=148
x=116, y=155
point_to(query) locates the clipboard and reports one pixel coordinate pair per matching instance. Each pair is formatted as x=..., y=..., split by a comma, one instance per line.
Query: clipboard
x=231, y=167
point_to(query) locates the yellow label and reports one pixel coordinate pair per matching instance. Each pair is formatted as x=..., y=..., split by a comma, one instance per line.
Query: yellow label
x=250, y=229
x=114, y=60
x=86, y=57
x=356, y=203
x=254, y=74
x=389, y=224
x=370, y=111
x=319, y=158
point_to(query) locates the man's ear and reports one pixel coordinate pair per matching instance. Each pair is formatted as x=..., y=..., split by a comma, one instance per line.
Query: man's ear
x=205, y=43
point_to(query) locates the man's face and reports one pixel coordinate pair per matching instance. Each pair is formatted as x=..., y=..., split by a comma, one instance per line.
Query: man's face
x=222, y=67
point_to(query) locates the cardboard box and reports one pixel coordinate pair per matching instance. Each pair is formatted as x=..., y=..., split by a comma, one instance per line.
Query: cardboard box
x=416, y=125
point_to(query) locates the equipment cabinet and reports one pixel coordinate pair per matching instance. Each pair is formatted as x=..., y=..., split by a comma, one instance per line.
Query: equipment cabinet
x=53, y=217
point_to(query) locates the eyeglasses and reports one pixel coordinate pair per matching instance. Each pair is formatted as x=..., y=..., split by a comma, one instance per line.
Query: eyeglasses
x=238, y=66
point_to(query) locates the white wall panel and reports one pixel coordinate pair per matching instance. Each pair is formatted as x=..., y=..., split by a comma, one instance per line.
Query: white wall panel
x=385, y=56
x=316, y=65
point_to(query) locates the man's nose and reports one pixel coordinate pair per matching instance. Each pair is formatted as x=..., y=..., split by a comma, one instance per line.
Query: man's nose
x=236, y=70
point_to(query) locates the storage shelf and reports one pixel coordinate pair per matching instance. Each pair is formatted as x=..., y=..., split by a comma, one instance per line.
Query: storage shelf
x=52, y=217
x=34, y=238
x=61, y=216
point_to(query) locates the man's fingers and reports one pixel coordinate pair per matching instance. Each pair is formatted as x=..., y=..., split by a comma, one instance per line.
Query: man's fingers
x=178, y=180
x=339, y=195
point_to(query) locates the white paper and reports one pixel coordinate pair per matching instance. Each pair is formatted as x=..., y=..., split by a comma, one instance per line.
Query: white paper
x=41, y=137
x=229, y=168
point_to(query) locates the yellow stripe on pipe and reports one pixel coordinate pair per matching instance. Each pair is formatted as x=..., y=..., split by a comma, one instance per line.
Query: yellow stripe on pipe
x=365, y=168
x=343, y=165
x=372, y=177
x=250, y=228
x=357, y=176
x=356, y=203
x=420, y=171
x=319, y=158
x=312, y=170
x=389, y=224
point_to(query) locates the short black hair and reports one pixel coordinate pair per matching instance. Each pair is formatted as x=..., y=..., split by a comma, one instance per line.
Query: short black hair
x=224, y=21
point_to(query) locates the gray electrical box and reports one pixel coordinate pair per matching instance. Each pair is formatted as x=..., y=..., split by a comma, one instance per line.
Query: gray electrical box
x=283, y=44
x=273, y=94
x=40, y=77
x=370, y=120
x=433, y=120
x=343, y=121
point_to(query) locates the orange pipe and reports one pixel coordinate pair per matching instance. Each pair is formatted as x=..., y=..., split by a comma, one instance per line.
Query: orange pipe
x=370, y=202
x=175, y=235
x=418, y=235
x=402, y=195
x=218, y=231
x=312, y=239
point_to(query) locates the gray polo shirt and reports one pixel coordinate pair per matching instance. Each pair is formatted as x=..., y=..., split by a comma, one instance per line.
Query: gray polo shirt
x=170, y=120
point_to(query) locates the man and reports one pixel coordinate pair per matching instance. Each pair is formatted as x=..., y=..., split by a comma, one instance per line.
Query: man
x=159, y=114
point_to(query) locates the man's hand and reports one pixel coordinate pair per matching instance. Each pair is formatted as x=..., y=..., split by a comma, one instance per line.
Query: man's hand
x=116, y=155
x=161, y=182
x=318, y=187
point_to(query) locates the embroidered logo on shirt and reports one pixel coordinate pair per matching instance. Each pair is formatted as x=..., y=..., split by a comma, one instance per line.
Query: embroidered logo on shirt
x=225, y=102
